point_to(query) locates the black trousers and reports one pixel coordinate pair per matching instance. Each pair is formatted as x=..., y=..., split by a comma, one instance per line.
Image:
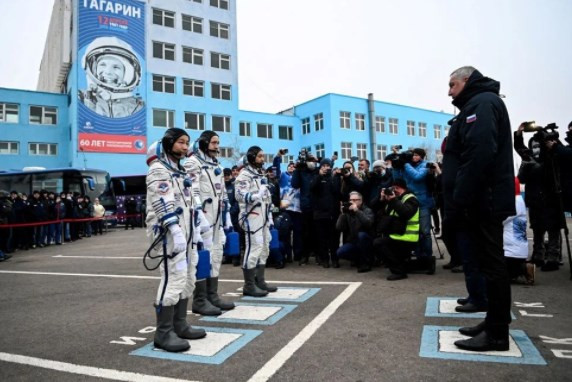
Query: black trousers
x=395, y=253
x=448, y=235
x=327, y=239
x=486, y=237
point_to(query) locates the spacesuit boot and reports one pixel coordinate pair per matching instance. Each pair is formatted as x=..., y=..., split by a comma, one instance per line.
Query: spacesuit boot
x=182, y=328
x=201, y=305
x=250, y=288
x=213, y=297
x=261, y=282
x=165, y=336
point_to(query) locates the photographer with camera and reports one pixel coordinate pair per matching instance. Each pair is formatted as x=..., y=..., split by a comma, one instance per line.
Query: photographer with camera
x=326, y=195
x=396, y=227
x=355, y=223
x=349, y=181
x=412, y=167
x=381, y=177
x=536, y=172
x=306, y=170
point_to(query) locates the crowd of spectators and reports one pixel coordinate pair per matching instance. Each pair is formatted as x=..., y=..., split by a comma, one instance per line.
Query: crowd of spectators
x=46, y=218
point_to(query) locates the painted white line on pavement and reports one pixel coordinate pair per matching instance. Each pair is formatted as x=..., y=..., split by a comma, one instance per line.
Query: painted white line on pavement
x=97, y=257
x=65, y=367
x=276, y=362
x=157, y=278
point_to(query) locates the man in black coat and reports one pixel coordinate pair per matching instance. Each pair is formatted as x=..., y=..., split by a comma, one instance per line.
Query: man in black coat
x=478, y=186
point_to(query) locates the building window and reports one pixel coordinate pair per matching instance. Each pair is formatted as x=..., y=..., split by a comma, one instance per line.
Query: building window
x=380, y=152
x=163, y=118
x=192, y=24
x=411, y=128
x=285, y=132
x=306, y=125
x=9, y=112
x=360, y=121
x=220, y=91
x=361, y=150
x=264, y=130
x=222, y=4
x=393, y=126
x=163, y=84
x=345, y=117
x=422, y=129
x=193, y=87
x=194, y=121
x=220, y=61
x=43, y=149
x=446, y=130
x=346, y=150
x=192, y=55
x=226, y=152
x=197, y=1
x=9, y=148
x=43, y=115
x=244, y=129
x=319, y=121
x=320, y=150
x=437, y=129
x=164, y=18
x=221, y=123
x=219, y=29
x=164, y=50
x=379, y=124
x=268, y=158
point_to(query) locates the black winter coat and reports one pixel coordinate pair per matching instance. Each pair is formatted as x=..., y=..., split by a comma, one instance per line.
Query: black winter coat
x=326, y=195
x=302, y=179
x=478, y=170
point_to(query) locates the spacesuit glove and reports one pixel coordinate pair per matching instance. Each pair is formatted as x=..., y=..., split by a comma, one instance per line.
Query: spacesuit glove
x=197, y=238
x=179, y=241
x=227, y=221
x=203, y=224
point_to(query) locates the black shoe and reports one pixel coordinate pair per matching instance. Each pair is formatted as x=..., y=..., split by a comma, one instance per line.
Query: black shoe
x=279, y=265
x=432, y=265
x=550, y=266
x=396, y=276
x=450, y=265
x=303, y=261
x=470, y=308
x=335, y=263
x=462, y=301
x=472, y=331
x=326, y=264
x=364, y=268
x=457, y=269
x=483, y=342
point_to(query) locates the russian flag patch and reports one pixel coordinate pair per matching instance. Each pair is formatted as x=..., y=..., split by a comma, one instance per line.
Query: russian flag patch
x=471, y=118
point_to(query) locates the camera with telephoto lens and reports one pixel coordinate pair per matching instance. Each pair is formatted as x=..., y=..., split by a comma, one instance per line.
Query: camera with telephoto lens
x=389, y=191
x=398, y=160
x=346, y=171
x=346, y=207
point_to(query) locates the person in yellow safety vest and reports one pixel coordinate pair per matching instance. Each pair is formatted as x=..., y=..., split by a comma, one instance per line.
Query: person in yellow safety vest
x=401, y=232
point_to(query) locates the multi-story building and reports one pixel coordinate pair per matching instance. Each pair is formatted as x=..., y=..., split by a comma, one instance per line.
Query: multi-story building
x=116, y=74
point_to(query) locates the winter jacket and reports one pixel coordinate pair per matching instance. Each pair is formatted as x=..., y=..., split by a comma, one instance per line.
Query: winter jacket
x=326, y=195
x=302, y=178
x=478, y=170
x=352, y=223
x=415, y=175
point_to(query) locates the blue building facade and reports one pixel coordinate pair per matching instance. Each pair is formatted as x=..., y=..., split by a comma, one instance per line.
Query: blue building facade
x=182, y=74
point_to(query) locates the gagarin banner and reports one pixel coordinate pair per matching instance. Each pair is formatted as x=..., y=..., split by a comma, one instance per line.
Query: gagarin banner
x=111, y=76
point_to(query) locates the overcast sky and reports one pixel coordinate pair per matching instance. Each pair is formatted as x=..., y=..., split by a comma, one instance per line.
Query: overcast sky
x=402, y=51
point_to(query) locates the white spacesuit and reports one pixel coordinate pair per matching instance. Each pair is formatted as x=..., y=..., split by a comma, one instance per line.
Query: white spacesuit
x=113, y=73
x=169, y=227
x=209, y=193
x=256, y=220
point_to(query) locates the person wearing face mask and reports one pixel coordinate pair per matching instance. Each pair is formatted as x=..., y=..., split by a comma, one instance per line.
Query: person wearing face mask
x=170, y=227
x=302, y=177
x=349, y=180
x=256, y=220
x=381, y=177
x=541, y=198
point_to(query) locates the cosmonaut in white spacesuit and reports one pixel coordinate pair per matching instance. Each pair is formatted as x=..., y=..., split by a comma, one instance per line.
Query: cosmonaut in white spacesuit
x=256, y=220
x=170, y=229
x=209, y=195
x=113, y=72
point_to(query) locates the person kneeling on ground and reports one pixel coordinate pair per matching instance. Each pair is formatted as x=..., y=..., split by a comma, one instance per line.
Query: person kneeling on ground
x=355, y=223
x=399, y=226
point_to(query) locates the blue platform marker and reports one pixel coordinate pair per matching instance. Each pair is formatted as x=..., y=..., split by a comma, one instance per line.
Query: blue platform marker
x=251, y=313
x=215, y=348
x=287, y=294
x=437, y=342
x=432, y=309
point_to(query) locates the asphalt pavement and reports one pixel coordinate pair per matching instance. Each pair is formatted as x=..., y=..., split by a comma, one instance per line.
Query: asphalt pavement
x=84, y=312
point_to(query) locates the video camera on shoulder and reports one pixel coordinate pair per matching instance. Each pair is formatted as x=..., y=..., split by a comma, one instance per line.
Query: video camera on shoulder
x=543, y=134
x=398, y=160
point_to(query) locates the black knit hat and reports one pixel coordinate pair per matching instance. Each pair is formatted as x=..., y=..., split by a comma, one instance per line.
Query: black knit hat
x=399, y=182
